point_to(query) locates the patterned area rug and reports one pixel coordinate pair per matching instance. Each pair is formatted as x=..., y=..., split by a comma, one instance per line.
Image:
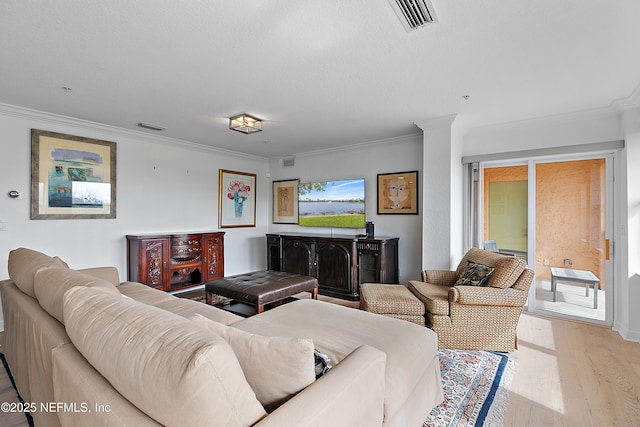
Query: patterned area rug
x=476, y=389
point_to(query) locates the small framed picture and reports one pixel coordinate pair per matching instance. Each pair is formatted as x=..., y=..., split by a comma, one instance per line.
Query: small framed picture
x=285, y=201
x=236, y=199
x=398, y=193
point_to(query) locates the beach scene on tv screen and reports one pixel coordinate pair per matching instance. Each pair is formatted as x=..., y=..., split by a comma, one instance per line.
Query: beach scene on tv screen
x=338, y=203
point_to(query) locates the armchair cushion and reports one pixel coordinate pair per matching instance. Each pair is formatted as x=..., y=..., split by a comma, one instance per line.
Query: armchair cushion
x=440, y=277
x=472, y=295
x=434, y=297
x=474, y=274
x=506, y=272
x=507, y=268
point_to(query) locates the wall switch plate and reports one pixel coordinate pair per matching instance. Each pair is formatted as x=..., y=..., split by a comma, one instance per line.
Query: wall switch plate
x=1, y=225
x=15, y=194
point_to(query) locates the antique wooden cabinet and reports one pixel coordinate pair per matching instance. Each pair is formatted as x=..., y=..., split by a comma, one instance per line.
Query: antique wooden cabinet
x=340, y=263
x=175, y=261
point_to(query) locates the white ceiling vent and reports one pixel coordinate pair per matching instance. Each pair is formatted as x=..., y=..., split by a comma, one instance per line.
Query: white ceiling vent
x=289, y=163
x=414, y=14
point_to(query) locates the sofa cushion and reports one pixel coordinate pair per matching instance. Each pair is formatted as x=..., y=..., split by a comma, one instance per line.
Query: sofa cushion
x=276, y=367
x=110, y=274
x=176, y=373
x=187, y=308
x=336, y=331
x=24, y=264
x=144, y=293
x=50, y=285
x=474, y=274
x=506, y=272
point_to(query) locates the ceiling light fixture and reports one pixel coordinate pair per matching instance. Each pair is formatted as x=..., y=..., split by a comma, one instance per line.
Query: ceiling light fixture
x=245, y=123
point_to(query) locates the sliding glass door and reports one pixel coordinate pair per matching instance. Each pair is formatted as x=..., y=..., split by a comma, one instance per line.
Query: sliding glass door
x=556, y=213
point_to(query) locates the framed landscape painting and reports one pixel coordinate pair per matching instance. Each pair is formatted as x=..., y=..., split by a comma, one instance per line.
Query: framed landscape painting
x=236, y=199
x=72, y=177
x=285, y=201
x=398, y=193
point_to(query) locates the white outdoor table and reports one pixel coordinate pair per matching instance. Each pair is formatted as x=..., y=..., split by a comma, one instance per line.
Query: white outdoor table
x=579, y=276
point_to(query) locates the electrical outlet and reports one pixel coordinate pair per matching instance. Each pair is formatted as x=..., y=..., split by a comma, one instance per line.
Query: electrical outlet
x=546, y=262
x=1, y=225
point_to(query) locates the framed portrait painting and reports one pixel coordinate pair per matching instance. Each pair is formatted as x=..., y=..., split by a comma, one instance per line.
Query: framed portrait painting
x=236, y=199
x=72, y=177
x=285, y=201
x=398, y=193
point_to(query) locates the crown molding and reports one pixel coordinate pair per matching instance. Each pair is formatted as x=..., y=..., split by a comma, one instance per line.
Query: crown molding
x=395, y=140
x=628, y=103
x=110, y=131
x=437, y=123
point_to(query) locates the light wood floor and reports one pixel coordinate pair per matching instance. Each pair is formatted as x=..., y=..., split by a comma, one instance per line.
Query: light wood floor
x=573, y=374
x=568, y=374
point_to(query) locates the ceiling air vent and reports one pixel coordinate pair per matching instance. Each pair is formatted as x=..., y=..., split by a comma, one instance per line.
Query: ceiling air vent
x=288, y=163
x=414, y=14
x=150, y=126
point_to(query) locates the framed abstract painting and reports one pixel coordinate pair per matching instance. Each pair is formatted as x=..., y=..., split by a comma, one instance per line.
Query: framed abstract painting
x=285, y=201
x=72, y=177
x=398, y=193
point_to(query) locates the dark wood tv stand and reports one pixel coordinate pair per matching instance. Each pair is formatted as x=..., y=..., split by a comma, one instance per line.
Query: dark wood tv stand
x=340, y=263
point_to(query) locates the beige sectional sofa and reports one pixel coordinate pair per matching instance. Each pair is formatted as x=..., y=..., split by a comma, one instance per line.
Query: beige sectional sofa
x=85, y=349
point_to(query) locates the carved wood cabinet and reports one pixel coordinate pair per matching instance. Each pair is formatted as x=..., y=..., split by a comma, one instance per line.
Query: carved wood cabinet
x=170, y=262
x=340, y=264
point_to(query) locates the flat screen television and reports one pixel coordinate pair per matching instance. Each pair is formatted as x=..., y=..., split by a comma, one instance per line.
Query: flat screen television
x=338, y=203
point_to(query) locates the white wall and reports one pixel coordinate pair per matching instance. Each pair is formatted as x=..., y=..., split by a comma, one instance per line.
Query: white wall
x=438, y=178
x=397, y=155
x=162, y=186
x=598, y=125
x=627, y=320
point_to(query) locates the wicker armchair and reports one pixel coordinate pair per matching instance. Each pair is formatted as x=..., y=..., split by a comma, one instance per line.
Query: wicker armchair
x=479, y=317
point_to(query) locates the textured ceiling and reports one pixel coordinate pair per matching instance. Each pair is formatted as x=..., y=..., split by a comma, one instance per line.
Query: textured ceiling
x=322, y=73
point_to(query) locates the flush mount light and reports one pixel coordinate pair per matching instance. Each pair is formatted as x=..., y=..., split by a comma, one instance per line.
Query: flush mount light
x=245, y=123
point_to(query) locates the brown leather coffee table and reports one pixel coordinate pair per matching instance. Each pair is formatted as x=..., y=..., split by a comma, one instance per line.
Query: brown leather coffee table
x=259, y=288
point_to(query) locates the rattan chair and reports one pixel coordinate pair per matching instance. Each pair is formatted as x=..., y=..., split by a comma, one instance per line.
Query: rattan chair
x=482, y=316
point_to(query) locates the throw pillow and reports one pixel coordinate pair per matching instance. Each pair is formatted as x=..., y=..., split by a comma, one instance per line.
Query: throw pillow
x=474, y=274
x=276, y=367
x=323, y=364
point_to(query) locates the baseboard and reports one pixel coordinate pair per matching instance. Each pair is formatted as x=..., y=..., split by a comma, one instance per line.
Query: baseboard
x=627, y=334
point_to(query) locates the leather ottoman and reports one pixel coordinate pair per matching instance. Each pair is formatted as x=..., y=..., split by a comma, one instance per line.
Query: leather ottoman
x=260, y=288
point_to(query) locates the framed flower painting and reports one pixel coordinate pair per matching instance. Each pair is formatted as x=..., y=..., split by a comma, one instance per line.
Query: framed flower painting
x=236, y=199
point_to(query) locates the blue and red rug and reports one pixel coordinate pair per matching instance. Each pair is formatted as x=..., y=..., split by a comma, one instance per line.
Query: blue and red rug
x=476, y=389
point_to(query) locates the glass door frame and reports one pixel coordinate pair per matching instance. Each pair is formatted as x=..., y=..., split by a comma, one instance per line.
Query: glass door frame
x=477, y=206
